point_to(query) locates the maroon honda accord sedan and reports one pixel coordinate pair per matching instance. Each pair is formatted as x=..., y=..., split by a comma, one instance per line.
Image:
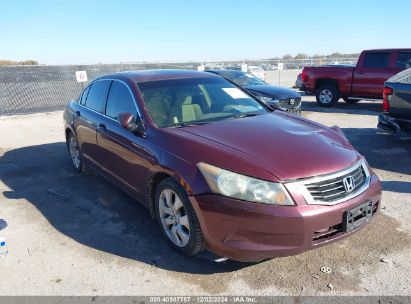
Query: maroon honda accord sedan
x=218, y=169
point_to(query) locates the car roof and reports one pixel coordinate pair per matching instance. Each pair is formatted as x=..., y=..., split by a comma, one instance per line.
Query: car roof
x=155, y=75
x=388, y=50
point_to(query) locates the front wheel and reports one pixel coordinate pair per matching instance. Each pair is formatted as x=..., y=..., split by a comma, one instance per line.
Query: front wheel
x=177, y=218
x=327, y=95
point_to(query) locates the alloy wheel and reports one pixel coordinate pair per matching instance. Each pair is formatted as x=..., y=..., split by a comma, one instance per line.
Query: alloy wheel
x=174, y=218
x=326, y=96
x=74, y=152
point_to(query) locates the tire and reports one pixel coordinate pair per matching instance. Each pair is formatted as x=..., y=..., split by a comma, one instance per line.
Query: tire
x=75, y=154
x=327, y=95
x=177, y=219
x=350, y=101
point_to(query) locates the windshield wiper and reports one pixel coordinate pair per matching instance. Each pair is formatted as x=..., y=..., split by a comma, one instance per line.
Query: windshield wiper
x=189, y=124
x=242, y=115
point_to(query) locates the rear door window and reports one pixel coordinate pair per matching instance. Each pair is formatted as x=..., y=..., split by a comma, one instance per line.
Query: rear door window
x=120, y=101
x=97, y=95
x=377, y=59
x=404, y=60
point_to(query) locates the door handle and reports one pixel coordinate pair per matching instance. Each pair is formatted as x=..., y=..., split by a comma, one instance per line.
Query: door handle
x=78, y=113
x=361, y=72
x=102, y=128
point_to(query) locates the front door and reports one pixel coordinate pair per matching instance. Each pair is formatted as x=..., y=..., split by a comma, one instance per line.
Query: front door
x=370, y=75
x=121, y=150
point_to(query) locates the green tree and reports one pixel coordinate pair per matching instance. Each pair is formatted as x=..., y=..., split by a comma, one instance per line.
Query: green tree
x=29, y=62
x=12, y=62
x=335, y=55
x=301, y=56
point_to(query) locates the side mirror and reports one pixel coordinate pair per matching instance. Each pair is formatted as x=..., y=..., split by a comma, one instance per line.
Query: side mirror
x=128, y=121
x=125, y=119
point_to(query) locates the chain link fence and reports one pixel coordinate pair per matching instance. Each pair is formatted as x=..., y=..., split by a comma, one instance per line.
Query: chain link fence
x=288, y=64
x=33, y=89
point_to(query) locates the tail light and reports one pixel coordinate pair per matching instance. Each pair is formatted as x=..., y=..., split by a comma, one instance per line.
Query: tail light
x=303, y=76
x=385, y=104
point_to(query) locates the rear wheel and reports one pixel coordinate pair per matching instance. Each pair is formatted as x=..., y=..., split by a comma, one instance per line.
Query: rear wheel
x=350, y=100
x=177, y=218
x=75, y=154
x=327, y=95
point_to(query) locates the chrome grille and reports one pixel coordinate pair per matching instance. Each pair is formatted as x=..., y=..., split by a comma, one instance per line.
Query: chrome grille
x=335, y=188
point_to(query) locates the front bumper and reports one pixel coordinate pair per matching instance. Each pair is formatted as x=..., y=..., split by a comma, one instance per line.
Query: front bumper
x=392, y=126
x=287, y=107
x=251, y=232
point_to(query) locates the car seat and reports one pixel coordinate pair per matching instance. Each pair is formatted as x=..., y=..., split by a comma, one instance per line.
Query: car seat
x=184, y=110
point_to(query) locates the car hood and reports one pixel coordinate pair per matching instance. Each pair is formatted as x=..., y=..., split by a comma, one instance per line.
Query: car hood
x=272, y=91
x=288, y=147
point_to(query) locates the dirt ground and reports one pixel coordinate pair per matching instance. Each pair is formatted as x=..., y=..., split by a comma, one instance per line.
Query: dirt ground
x=72, y=234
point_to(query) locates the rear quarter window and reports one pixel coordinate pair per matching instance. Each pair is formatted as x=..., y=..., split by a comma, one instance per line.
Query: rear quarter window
x=377, y=60
x=84, y=96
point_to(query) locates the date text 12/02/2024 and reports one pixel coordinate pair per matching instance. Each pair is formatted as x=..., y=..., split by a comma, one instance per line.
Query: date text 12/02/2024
x=204, y=299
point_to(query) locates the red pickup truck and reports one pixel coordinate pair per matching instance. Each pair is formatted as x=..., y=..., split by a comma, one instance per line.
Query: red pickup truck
x=353, y=83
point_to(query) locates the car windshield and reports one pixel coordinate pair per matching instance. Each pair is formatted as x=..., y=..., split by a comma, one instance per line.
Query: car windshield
x=242, y=79
x=183, y=102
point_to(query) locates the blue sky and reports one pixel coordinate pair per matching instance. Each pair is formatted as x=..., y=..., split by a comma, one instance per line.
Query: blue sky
x=91, y=31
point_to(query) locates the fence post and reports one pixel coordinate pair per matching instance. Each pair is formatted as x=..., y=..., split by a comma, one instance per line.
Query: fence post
x=279, y=77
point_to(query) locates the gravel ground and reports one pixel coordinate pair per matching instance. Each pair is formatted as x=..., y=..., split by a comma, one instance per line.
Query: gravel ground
x=72, y=234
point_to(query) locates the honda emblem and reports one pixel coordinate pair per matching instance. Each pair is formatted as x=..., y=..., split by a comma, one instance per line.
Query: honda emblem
x=349, y=183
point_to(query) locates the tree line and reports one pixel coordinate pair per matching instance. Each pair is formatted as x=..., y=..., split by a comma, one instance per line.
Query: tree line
x=12, y=62
x=306, y=56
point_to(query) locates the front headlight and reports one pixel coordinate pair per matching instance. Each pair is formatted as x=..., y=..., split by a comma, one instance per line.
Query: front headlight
x=267, y=99
x=245, y=188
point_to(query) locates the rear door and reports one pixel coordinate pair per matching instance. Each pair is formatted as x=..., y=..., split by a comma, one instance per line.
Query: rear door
x=88, y=117
x=121, y=151
x=373, y=69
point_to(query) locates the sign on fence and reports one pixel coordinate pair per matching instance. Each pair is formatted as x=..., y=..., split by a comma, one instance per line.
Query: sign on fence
x=81, y=76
